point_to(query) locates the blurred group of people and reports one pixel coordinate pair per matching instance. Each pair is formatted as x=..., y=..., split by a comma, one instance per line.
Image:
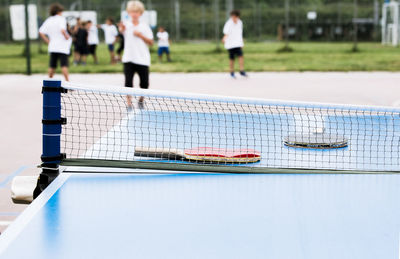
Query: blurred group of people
x=135, y=38
x=85, y=39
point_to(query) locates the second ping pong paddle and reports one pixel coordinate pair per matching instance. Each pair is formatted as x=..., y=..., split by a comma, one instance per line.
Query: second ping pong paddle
x=202, y=154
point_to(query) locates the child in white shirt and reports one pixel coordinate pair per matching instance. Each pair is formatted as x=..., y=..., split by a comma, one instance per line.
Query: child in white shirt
x=110, y=36
x=136, y=58
x=93, y=40
x=163, y=43
x=54, y=32
x=233, y=41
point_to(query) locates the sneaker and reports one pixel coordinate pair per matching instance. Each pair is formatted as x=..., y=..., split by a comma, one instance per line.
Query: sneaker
x=233, y=75
x=243, y=73
x=141, y=102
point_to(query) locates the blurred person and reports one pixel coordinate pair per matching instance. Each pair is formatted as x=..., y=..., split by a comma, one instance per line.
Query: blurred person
x=121, y=40
x=233, y=41
x=93, y=40
x=74, y=31
x=136, y=58
x=163, y=43
x=110, y=35
x=54, y=32
x=82, y=43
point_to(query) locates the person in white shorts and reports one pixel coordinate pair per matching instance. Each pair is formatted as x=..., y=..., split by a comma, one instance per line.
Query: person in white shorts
x=233, y=41
x=163, y=43
x=110, y=36
x=54, y=32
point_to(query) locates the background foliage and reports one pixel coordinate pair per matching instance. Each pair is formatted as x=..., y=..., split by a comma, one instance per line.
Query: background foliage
x=203, y=19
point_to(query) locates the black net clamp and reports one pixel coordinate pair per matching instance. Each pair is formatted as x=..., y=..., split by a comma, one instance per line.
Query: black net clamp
x=54, y=89
x=46, y=159
x=61, y=121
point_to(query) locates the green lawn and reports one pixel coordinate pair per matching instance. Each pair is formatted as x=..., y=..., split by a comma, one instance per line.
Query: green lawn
x=203, y=57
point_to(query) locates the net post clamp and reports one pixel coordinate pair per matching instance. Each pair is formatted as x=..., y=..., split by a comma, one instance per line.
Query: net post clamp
x=61, y=121
x=53, y=85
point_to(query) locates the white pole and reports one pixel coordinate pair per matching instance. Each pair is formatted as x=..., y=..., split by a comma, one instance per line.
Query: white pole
x=287, y=10
x=395, y=24
x=217, y=29
x=177, y=20
x=228, y=8
x=383, y=23
x=203, y=22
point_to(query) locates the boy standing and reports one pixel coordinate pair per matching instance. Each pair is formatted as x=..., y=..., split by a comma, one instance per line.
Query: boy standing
x=54, y=32
x=82, y=43
x=110, y=35
x=93, y=40
x=136, y=58
x=163, y=43
x=233, y=41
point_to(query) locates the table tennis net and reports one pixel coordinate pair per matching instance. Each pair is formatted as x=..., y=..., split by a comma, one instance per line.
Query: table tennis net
x=102, y=130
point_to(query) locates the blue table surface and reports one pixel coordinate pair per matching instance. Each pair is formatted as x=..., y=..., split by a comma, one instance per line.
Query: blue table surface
x=210, y=216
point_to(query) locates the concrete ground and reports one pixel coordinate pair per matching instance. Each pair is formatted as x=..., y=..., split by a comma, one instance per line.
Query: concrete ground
x=21, y=106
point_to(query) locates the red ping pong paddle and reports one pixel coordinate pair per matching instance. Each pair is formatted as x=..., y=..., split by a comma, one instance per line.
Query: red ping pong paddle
x=205, y=154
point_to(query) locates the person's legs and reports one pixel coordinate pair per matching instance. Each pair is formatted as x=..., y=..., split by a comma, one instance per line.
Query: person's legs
x=232, y=65
x=112, y=57
x=160, y=52
x=64, y=71
x=83, y=51
x=112, y=54
x=143, y=72
x=76, y=54
x=119, y=51
x=96, y=61
x=83, y=60
x=168, y=54
x=92, y=51
x=232, y=62
x=52, y=64
x=77, y=59
x=241, y=63
x=129, y=72
x=51, y=72
x=241, y=66
x=64, y=66
x=232, y=68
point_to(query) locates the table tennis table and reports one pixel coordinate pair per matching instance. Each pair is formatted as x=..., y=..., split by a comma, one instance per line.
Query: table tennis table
x=93, y=212
x=150, y=214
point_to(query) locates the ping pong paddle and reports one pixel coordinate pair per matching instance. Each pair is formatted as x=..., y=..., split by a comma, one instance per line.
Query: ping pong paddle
x=316, y=141
x=202, y=154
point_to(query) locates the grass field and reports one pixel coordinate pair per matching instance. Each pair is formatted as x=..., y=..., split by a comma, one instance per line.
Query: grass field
x=203, y=57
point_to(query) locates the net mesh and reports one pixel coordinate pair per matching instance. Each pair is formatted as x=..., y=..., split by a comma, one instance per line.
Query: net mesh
x=101, y=127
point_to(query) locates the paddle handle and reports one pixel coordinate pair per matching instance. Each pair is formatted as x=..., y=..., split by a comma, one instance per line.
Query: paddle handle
x=168, y=153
